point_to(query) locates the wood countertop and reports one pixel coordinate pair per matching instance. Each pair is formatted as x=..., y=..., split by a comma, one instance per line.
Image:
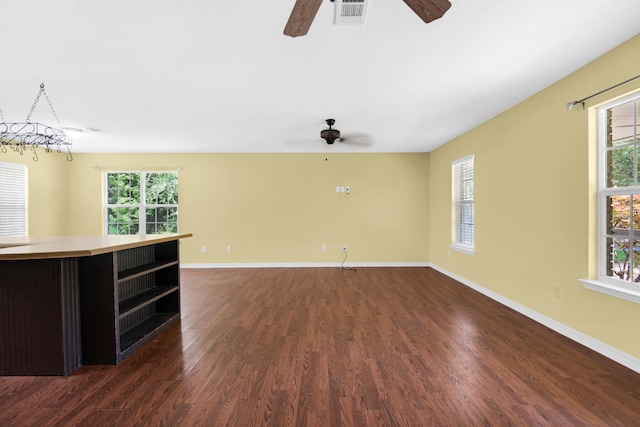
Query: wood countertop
x=45, y=247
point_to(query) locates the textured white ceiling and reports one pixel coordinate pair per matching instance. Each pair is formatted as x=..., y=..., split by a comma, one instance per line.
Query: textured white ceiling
x=214, y=76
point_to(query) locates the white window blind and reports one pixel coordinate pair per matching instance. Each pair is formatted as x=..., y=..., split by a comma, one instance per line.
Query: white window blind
x=463, y=201
x=13, y=199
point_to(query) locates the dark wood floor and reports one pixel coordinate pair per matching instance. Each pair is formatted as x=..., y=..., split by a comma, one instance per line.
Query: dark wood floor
x=321, y=346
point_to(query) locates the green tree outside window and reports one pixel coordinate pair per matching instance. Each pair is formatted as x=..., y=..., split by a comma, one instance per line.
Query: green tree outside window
x=142, y=202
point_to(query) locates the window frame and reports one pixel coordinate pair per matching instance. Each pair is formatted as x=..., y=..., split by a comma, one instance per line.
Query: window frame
x=141, y=206
x=609, y=285
x=457, y=201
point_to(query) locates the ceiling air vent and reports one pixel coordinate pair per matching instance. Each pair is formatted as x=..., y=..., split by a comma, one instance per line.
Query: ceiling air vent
x=350, y=11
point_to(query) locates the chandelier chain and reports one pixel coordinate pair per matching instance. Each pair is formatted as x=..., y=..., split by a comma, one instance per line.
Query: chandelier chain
x=51, y=106
x=33, y=107
x=35, y=103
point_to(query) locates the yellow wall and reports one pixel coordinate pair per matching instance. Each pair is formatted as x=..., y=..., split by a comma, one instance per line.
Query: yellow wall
x=279, y=208
x=535, y=204
x=48, y=190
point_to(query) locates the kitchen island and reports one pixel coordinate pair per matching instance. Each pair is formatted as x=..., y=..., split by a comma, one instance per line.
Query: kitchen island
x=80, y=300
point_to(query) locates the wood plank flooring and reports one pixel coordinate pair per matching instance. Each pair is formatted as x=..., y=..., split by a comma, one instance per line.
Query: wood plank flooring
x=331, y=347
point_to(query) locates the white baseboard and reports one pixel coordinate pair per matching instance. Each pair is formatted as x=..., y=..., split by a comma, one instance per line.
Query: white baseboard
x=306, y=264
x=577, y=336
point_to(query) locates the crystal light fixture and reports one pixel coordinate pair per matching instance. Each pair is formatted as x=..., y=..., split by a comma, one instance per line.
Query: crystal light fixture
x=29, y=136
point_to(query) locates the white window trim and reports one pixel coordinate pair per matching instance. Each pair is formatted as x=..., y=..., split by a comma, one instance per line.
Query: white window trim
x=457, y=246
x=469, y=250
x=142, y=206
x=605, y=284
x=619, y=290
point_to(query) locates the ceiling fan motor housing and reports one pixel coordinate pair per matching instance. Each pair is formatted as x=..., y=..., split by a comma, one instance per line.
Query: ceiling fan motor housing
x=330, y=135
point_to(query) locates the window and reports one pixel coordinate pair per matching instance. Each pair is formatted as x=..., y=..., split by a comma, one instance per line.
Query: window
x=141, y=202
x=13, y=199
x=619, y=199
x=463, y=218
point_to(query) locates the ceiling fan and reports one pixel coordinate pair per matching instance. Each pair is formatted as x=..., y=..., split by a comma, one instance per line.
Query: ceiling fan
x=305, y=10
x=332, y=135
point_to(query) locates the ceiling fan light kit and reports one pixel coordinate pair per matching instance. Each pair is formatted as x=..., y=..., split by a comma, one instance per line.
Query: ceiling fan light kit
x=353, y=12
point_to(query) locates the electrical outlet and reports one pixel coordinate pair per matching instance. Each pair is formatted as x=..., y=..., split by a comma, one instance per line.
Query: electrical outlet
x=228, y=248
x=556, y=291
x=344, y=248
x=324, y=248
x=203, y=248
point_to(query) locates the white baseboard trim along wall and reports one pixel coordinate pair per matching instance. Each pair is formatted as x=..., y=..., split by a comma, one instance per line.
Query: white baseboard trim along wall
x=577, y=336
x=308, y=264
x=573, y=334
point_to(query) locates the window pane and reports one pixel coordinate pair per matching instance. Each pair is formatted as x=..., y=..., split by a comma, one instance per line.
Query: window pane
x=123, y=188
x=467, y=190
x=112, y=196
x=465, y=221
x=152, y=188
x=621, y=124
x=636, y=261
x=620, y=214
x=123, y=220
x=171, y=226
x=162, y=188
x=161, y=215
x=619, y=258
x=162, y=220
x=635, y=212
x=151, y=215
x=624, y=260
x=466, y=234
x=621, y=166
x=637, y=133
x=637, y=166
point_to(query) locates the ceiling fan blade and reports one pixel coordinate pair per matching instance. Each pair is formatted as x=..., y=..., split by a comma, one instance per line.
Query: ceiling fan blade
x=359, y=139
x=301, y=17
x=429, y=10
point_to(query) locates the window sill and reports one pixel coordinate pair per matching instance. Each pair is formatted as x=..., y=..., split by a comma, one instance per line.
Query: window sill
x=462, y=248
x=612, y=290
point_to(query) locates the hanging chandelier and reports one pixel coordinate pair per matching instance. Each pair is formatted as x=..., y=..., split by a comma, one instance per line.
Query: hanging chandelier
x=29, y=136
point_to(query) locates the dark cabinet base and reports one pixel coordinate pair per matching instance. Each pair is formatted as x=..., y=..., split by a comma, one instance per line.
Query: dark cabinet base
x=40, y=317
x=59, y=314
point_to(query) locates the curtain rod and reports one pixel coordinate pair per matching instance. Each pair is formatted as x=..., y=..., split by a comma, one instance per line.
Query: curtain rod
x=572, y=104
x=137, y=168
